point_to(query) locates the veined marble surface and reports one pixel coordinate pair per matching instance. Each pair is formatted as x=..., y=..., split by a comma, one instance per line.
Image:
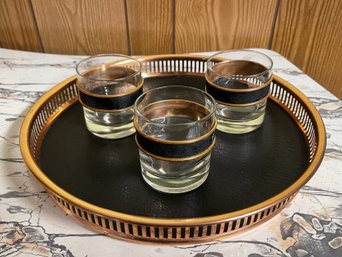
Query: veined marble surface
x=31, y=224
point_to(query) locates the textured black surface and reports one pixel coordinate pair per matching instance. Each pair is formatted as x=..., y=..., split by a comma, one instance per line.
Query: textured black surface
x=245, y=169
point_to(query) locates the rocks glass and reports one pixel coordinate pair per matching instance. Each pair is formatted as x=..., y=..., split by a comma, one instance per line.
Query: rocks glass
x=175, y=128
x=239, y=80
x=108, y=87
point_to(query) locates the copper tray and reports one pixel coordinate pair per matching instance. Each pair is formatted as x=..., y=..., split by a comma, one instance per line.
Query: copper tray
x=98, y=182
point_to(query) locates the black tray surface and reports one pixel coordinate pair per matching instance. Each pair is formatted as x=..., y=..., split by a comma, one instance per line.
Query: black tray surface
x=245, y=169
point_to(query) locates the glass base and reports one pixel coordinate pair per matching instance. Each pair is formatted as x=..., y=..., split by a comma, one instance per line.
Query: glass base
x=240, y=120
x=110, y=125
x=239, y=127
x=174, y=177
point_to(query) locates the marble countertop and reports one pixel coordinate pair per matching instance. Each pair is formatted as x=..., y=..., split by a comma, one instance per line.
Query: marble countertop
x=32, y=225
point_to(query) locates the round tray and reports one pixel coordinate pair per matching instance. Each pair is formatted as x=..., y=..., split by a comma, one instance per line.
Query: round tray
x=252, y=176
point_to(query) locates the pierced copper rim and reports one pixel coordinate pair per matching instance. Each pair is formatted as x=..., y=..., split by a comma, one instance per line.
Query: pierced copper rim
x=58, y=192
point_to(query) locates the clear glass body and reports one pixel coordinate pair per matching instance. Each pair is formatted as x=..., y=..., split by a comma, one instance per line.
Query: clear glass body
x=239, y=120
x=110, y=125
x=239, y=71
x=175, y=113
x=174, y=177
x=104, y=77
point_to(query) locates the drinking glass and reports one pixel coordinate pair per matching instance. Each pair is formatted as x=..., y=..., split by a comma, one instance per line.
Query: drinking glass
x=108, y=87
x=239, y=80
x=175, y=128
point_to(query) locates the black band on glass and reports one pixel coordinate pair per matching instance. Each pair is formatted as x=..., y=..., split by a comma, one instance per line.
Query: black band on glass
x=109, y=103
x=174, y=150
x=237, y=97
